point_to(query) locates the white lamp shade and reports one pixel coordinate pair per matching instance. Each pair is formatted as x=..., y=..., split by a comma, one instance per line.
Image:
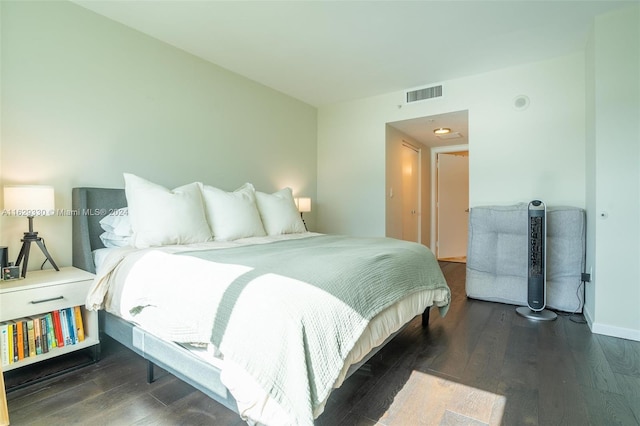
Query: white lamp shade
x=303, y=204
x=29, y=200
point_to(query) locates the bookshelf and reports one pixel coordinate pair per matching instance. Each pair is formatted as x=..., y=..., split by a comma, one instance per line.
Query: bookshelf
x=44, y=292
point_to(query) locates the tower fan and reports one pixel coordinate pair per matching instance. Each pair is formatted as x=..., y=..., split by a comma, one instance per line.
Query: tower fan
x=537, y=263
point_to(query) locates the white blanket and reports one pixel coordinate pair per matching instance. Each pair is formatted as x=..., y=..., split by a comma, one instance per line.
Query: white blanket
x=301, y=351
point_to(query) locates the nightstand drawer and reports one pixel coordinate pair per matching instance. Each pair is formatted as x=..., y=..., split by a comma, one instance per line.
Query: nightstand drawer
x=44, y=299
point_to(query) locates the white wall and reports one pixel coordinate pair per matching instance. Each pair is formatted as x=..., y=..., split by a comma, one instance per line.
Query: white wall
x=515, y=155
x=571, y=146
x=613, y=161
x=85, y=99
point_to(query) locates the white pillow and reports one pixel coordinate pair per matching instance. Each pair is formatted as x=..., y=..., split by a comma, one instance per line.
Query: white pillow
x=279, y=212
x=232, y=215
x=117, y=222
x=160, y=216
x=110, y=240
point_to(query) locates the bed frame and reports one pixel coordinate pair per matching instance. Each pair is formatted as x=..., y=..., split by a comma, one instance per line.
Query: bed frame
x=89, y=206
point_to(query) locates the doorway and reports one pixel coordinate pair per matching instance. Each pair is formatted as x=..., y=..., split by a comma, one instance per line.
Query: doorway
x=452, y=205
x=420, y=132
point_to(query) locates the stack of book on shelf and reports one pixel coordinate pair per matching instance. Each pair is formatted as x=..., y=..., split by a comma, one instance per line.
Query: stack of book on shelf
x=29, y=337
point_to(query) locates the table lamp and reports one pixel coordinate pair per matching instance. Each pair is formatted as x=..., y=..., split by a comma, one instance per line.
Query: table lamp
x=304, y=205
x=30, y=201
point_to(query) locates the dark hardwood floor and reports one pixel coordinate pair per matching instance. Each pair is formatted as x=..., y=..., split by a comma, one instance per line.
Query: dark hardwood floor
x=480, y=365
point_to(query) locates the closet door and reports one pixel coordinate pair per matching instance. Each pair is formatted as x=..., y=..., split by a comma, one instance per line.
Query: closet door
x=410, y=193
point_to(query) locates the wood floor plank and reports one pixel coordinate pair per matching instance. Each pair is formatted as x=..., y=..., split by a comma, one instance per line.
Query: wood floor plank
x=169, y=389
x=473, y=403
x=558, y=386
x=194, y=409
x=422, y=399
x=521, y=407
x=606, y=408
x=630, y=388
x=455, y=419
x=485, y=363
x=519, y=369
x=341, y=401
x=622, y=355
x=53, y=403
x=462, y=340
x=356, y=420
x=592, y=367
x=94, y=409
x=131, y=411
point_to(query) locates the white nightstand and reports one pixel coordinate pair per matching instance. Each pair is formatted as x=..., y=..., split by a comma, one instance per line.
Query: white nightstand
x=45, y=291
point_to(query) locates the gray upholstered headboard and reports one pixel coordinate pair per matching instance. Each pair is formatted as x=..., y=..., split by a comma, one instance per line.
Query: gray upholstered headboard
x=90, y=205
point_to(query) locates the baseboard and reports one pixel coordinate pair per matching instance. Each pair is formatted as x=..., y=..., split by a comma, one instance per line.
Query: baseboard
x=587, y=317
x=609, y=330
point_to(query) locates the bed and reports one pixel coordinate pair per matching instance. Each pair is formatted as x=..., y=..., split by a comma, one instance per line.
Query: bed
x=284, y=390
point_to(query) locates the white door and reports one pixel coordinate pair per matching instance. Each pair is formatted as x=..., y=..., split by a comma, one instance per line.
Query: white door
x=452, y=206
x=410, y=193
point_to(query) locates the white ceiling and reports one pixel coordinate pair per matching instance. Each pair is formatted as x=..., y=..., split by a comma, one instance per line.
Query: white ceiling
x=421, y=129
x=323, y=52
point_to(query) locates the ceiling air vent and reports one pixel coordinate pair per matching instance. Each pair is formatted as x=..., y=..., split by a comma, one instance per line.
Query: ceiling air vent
x=423, y=94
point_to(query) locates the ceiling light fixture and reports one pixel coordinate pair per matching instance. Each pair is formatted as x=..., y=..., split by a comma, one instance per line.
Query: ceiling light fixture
x=442, y=131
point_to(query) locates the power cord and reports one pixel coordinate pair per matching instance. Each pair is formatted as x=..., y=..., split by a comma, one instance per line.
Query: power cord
x=574, y=316
x=45, y=261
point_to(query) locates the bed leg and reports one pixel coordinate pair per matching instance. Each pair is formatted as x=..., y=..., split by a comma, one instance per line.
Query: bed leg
x=150, y=378
x=425, y=317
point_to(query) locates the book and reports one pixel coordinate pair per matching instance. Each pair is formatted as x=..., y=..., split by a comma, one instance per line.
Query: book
x=4, y=344
x=32, y=337
x=79, y=323
x=38, y=334
x=14, y=328
x=44, y=341
x=25, y=337
x=71, y=322
x=57, y=328
x=64, y=324
x=10, y=339
x=51, y=336
x=20, y=332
